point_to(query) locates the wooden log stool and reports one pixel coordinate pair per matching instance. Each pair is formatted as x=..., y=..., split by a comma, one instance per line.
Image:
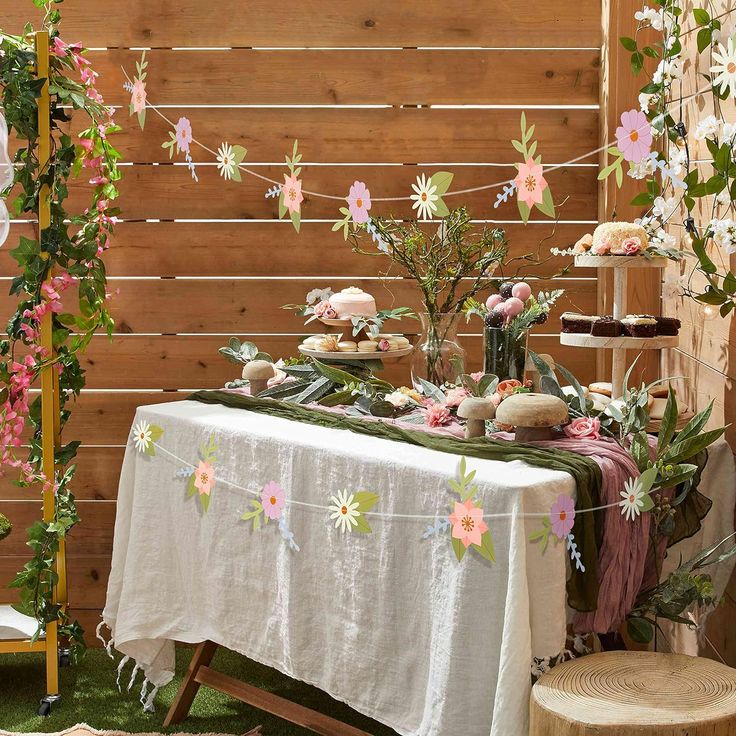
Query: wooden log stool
x=635, y=694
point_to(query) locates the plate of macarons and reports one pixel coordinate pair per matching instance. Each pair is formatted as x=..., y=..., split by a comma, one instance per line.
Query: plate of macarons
x=332, y=347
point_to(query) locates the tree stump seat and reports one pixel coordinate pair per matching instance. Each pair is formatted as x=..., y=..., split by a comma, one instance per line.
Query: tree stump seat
x=635, y=694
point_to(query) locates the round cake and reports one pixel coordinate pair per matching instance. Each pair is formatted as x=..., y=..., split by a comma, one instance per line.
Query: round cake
x=619, y=239
x=353, y=302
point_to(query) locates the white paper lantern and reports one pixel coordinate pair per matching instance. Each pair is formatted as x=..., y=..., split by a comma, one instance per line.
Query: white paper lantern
x=4, y=222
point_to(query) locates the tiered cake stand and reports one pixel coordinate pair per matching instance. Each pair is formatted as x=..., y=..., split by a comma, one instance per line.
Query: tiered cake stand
x=619, y=345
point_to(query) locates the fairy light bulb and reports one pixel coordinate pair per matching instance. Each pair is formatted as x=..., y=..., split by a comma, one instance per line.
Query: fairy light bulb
x=709, y=312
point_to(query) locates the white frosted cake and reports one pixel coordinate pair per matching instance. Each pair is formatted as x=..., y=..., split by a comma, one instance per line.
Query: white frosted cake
x=353, y=302
x=619, y=239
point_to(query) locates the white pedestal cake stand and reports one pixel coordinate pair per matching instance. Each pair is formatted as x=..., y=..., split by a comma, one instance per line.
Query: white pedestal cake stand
x=619, y=345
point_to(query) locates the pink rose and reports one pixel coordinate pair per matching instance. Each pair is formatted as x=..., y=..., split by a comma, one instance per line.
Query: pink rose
x=384, y=345
x=601, y=249
x=506, y=388
x=437, y=415
x=455, y=397
x=330, y=313
x=631, y=246
x=584, y=428
x=321, y=307
x=496, y=399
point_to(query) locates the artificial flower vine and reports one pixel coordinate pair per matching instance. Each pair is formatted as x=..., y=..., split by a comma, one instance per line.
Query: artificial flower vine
x=66, y=254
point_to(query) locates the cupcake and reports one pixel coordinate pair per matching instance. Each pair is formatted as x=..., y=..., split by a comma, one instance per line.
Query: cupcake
x=353, y=302
x=669, y=326
x=639, y=325
x=606, y=326
x=619, y=239
x=575, y=323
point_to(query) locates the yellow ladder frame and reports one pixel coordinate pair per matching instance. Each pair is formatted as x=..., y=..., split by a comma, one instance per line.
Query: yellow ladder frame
x=50, y=404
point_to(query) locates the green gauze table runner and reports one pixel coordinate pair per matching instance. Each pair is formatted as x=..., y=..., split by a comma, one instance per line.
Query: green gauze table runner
x=582, y=588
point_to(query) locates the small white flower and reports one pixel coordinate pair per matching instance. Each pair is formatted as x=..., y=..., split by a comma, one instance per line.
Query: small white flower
x=345, y=510
x=667, y=71
x=673, y=286
x=678, y=159
x=724, y=73
x=425, y=197
x=226, y=161
x=398, y=399
x=646, y=101
x=729, y=133
x=142, y=435
x=650, y=16
x=723, y=197
x=707, y=128
x=643, y=169
x=633, y=499
x=724, y=234
x=664, y=208
x=318, y=295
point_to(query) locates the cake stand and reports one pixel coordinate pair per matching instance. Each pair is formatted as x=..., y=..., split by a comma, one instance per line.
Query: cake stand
x=384, y=356
x=619, y=345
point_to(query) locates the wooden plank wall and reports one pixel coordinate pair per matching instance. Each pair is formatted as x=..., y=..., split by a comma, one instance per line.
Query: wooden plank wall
x=377, y=91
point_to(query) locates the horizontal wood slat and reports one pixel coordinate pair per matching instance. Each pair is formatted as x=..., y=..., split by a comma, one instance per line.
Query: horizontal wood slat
x=268, y=248
x=385, y=77
x=320, y=23
x=171, y=306
x=339, y=135
x=87, y=578
x=169, y=193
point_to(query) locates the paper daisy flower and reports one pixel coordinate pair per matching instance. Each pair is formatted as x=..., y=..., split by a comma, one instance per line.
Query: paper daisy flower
x=142, y=436
x=425, y=198
x=344, y=510
x=226, y=161
x=632, y=499
x=724, y=72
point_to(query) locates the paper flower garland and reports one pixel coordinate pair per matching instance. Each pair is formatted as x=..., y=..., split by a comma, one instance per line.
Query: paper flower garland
x=145, y=435
x=531, y=186
x=634, y=139
x=138, y=91
x=229, y=159
x=428, y=193
x=359, y=202
x=347, y=510
x=635, y=496
x=468, y=528
x=202, y=480
x=180, y=139
x=291, y=197
x=6, y=178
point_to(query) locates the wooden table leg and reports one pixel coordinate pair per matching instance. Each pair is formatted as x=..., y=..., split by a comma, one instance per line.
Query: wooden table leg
x=190, y=686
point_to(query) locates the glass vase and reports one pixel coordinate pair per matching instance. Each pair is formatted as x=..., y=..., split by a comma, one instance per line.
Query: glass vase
x=504, y=352
x=438, y=356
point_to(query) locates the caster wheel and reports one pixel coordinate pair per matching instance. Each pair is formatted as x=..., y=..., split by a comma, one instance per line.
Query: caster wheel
x=45, y=708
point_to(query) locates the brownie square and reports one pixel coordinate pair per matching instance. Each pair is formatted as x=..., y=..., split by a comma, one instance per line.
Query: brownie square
x=634, y=329
x=576, y=324
x=669, y=326
x=606, y=326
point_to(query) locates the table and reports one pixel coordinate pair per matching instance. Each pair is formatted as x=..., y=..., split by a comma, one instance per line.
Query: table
x=388, y=622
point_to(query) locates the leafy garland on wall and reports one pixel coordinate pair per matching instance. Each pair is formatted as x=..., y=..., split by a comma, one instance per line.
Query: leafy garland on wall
x=671, y=177
x=66, y=254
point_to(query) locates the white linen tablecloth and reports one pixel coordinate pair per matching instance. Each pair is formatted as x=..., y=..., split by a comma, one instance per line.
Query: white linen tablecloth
x=388, y=622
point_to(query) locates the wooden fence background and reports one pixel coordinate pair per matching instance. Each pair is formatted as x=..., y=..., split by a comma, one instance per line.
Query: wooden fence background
x=378, y=91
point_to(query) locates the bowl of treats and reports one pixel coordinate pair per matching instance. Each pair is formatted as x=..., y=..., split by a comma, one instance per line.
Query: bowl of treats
x=332, y=346
x=631, y=331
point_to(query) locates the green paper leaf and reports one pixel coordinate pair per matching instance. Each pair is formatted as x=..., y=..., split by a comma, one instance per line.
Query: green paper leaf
x=362, y=526
x=296, y=220
x=191, y=488
x=204, y=499
x=547, y=205
x=442, y=180
x=282, y=206
x=524, y=210
x=156, y=432
x=459, y=549
x=485, y=548
x=366, y=500
x=441, y=209
x=647, y=478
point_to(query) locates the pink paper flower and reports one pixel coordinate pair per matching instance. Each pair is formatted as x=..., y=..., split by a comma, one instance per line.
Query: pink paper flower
x=562, y=516
x=293, y=197
x=273, y=500
x=631, y=246
x=359, y=202
x=138, y=99
x=467, y=523
x=455, y=397
x=634, y=136
x=530, y=182
x=584, y=428
x=601, y=249
x=204, y=478
x=183, y=133
x=437, y=415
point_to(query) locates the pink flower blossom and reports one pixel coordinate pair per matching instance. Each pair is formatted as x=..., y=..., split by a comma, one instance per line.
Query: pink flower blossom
x=330, y=313
x=384, y=345
x=87, y=144
x=437, y=415
x=562, y=516
x=320, y=307
x=88, y=76
x=98, y=180
x=530, y=182
x=455, y=397
x=631, y=246
x=292, y=191
x=584, y=428
x=477, y=376
x=507, y=387
x=183, y=132
x=59, y=48
x=601, y=249
x=273, y=500
x=92, y=163
x=359, y=202
x=467, y=523
x=634, y=136
x=138, y=96
x=204, y=478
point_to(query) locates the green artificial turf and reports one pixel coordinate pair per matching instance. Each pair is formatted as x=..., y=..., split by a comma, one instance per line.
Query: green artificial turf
x=89, y=695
